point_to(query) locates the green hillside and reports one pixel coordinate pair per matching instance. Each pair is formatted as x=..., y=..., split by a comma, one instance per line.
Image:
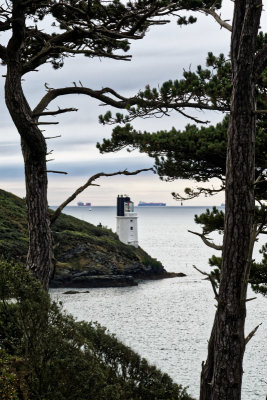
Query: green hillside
x=79, y=247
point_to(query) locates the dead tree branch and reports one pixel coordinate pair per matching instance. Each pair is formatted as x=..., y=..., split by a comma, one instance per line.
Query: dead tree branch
x=90, y=183
x=57, y=172
x=52, y=137
x=211, y=279
x=251, y=298
x=206, y=240
x=217, y=18
x=251, y=334
x=59, y=111
x=46, y=123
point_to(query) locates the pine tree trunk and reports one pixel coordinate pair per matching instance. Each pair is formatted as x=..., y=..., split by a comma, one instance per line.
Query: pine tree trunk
x=39, y=259
x=221, y=377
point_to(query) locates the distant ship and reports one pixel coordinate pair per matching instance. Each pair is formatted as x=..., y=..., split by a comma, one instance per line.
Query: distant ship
x=144, y=204
x=81, y=204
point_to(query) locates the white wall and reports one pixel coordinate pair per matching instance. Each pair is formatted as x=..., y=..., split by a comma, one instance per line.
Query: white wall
x=127, y=228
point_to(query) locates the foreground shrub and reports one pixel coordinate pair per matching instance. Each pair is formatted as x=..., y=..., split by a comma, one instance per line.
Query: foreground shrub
x=63, y=359
x=8, y=379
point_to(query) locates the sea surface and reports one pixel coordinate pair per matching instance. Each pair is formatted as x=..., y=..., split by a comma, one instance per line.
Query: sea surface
x=169, y=321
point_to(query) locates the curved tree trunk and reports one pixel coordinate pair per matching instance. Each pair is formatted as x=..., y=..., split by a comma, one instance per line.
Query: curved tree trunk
x=221, y=376
x=39, y=259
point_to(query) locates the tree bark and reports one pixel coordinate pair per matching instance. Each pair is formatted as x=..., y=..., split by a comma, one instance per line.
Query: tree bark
x=39, y=259
x=221, y=377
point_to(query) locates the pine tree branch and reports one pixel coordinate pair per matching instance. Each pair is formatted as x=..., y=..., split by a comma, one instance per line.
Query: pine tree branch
x=142, y=20
x=211, y=279
x=124, y=103
x=206, y=241
x=192, y=118
x=83, y=31
x=217, y=18
x=59, y=44
x=59, y=111
x=90, y=181
x=97, y=94
x=192, y=194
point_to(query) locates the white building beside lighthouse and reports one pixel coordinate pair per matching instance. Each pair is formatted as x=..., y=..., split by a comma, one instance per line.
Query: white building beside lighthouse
x=126, y=221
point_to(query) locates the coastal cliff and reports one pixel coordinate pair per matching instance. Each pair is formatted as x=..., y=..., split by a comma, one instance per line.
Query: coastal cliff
x=85, y=255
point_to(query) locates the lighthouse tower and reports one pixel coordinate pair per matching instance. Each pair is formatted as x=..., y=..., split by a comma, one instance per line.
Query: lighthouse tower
x=126, y=221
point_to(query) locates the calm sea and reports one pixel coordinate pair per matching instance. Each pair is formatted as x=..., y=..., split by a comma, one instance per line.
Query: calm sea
x=169, y=321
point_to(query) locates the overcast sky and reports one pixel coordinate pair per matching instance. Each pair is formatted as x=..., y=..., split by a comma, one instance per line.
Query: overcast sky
x=160, y=56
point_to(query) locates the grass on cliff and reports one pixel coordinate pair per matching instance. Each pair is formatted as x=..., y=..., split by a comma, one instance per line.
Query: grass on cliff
x=68, y=232
x=13, y=226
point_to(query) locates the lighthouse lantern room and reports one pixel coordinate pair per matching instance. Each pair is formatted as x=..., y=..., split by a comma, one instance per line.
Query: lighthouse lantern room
x=126, y=221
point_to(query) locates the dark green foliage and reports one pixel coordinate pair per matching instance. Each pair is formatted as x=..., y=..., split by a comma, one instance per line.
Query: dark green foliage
x=258, y=275
x=211, y=220
x=155, y=264
x=13, y=226
x=67, y=360
x=91, y=28
x=197, y=153
x=206, y=88
x=189, y=154
x=194, y=153
x=258, y=272
x=8, y=379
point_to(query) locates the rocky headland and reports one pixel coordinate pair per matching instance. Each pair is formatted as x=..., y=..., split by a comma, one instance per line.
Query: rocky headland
x=86, y=256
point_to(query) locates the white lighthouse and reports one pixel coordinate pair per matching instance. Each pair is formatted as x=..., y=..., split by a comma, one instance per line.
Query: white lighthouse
x=126, y=221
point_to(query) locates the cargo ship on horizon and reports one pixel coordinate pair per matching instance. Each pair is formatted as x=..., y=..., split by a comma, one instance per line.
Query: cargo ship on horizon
x=146, y=204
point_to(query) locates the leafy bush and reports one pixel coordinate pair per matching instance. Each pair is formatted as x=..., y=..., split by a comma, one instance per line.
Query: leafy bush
x=153, y=263
x=67, y=360
x=8, y=379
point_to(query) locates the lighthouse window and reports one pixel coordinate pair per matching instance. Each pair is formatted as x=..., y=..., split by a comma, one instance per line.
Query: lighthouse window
x=131, y=220
x=131, y=228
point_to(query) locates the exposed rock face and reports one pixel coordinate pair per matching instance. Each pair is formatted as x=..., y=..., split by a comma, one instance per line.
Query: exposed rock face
x=85, y=255
x=81, y=263
x=84, y=280
x=94, y=257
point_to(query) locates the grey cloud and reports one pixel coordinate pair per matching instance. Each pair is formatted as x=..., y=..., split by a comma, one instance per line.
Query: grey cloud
x=9, y=149
x=11, y=172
